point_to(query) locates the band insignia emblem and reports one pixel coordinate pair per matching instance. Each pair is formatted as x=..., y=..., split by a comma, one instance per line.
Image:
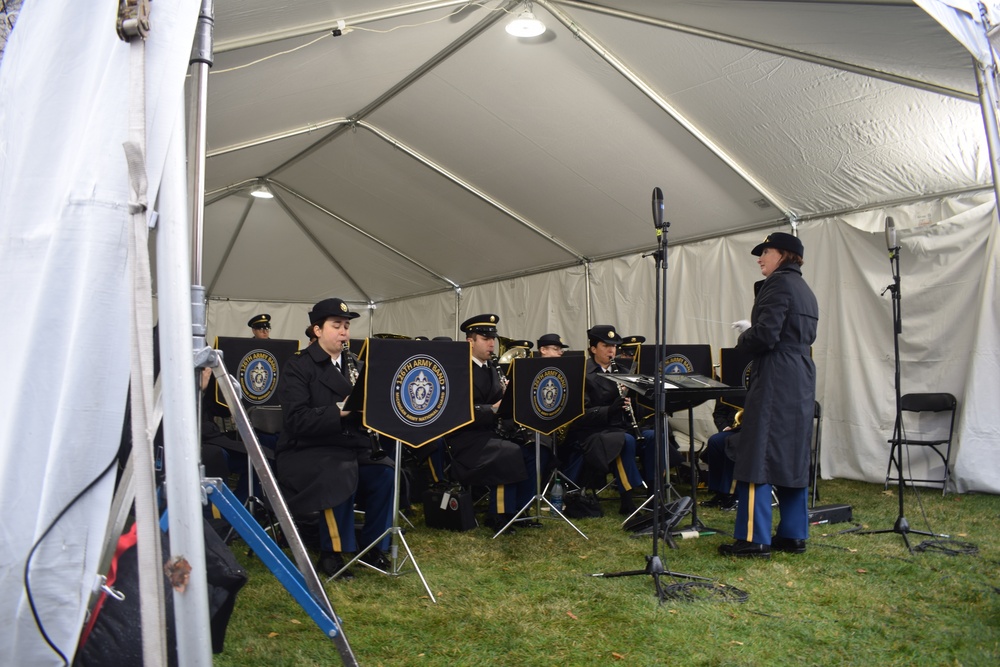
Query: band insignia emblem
x=420, y=390
x=746, y=375
x=677, y=364
x=549, y=393
x=258, y=373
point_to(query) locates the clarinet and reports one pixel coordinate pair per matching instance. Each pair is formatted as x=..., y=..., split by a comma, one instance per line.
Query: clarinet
x=351, y=364
x=629, y=412
x=495, y=363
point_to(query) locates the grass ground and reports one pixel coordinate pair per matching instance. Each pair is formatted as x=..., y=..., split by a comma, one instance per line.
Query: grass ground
x=529, y=599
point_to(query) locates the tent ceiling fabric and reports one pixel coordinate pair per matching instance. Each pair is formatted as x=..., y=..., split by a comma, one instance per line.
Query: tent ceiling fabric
x=429, y=149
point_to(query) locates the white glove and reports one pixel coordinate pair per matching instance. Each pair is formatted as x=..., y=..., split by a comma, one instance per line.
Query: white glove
x=741, y=325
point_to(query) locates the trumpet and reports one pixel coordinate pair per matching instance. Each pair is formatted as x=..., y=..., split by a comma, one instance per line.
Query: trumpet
x=351, y=364
x=629, y=412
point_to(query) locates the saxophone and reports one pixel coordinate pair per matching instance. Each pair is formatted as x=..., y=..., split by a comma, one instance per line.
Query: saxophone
x=351, y=365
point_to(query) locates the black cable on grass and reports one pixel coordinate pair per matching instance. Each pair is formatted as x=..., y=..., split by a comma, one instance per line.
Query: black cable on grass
x=699, y=591
x=948, y=547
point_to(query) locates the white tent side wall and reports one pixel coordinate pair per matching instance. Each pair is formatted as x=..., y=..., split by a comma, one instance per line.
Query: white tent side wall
x=64, y=194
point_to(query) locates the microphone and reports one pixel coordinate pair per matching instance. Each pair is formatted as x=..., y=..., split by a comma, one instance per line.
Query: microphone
x=890, y=235
x=658, y=208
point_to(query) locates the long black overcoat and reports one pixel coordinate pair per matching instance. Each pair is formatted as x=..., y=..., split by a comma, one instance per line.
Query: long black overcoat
x=318, y=452
x=478, y=454
x=774, y=443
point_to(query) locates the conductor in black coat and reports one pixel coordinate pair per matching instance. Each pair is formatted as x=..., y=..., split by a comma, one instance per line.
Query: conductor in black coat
x=323, y=458
x=774, y=443
x=479, y=455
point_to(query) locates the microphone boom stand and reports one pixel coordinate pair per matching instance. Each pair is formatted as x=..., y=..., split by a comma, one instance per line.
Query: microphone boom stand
x=654, y=566
x=902, y=526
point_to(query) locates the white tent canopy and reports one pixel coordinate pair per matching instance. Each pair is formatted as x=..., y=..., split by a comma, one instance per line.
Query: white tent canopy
x=402, y=144
x=428, y=165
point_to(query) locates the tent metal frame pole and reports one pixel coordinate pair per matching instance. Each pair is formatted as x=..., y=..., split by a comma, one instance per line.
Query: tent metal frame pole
x=468, y=187
x=319, y=246
x=986, y=80
x=298, y=195
x=655, y=97
x=765, y=47
x=180, y=421
x=333, y=24
x=231, y=244
x=414, y=76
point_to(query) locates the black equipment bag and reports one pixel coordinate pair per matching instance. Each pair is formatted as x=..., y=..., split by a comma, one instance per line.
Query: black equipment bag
x=581, y=505
x=449, y=508
x=116, y=637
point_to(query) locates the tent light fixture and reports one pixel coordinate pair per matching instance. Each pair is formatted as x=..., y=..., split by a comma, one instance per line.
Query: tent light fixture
x=525, y=25
x=261, y=191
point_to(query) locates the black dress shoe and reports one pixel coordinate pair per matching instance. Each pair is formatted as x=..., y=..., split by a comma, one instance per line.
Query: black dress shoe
x=330, y=563
x=788, y=545
x=626, y=504
x=497, y=521
x=744, y=549
x=376, y=559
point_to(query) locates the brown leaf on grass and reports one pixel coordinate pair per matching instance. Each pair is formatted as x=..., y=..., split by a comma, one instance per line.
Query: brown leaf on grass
x=733, y=641
x=962, y=534
x=853, y=551
x=790, y=584
x=582, y=556
x=617, y=656
x=862, y=570
x=888, y=492
x=272, y=635
x=572, y=615
x=673, y=611
x=296, y=621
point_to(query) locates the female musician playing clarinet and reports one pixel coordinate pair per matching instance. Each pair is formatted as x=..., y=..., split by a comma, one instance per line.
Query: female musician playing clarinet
x=601, y=436
x=325, y=458
x=773, y=449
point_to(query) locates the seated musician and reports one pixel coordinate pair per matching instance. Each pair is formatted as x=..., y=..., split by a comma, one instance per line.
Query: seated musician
x=670, y=454
x=600, y=436
x=720, y=457
x=324, y=459
x=478, y=454
x=551, y=345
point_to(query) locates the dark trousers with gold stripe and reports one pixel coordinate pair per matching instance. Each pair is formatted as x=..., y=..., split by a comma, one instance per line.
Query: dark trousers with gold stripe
x=510, y=498
x=336, y=532
x=753, y=513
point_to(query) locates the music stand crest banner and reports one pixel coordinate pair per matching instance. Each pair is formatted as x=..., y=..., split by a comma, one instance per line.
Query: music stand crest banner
x=256, y=365
x=417, y=391
x=547, y=392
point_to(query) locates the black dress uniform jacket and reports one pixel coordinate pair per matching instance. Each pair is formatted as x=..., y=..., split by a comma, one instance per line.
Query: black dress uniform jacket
x=478, y=454
x=600, y=431
x=774, y=444
x=318, y=453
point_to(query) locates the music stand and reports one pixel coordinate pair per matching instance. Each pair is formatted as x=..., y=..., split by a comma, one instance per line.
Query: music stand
x=545, y=394
x=673, y=362
x=428, y=385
